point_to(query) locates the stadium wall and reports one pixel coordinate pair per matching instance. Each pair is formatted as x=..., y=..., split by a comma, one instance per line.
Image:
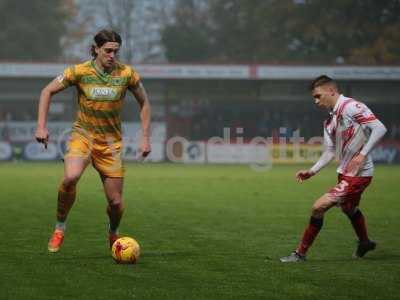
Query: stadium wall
x=197, y=101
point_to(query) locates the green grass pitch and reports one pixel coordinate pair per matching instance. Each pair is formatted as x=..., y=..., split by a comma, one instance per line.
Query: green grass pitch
x=206, y=232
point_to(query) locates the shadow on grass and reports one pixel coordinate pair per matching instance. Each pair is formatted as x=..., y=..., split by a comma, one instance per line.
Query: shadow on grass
x=79, y=257
x=168, y=254
x=371, y=257
x=76, y=257
x=380, y=257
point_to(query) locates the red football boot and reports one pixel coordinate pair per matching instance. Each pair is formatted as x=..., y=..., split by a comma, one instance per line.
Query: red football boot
x=56, y=240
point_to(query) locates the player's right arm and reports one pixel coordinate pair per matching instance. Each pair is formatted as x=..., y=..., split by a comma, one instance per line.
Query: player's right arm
x=42, y=133
x=68, y=78
x=325, y=159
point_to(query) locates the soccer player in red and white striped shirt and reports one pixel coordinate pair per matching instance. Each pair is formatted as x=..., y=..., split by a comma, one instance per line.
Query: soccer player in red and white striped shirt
x=350, y=133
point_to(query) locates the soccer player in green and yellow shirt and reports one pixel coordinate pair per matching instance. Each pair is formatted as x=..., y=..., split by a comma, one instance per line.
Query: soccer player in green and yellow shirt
x=96, y=134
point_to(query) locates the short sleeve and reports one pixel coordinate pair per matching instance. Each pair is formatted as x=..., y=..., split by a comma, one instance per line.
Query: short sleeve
x=359, y=112
x=68, y=77
x=134, y=79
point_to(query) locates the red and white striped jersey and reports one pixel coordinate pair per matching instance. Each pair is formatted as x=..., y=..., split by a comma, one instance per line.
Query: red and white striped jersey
x=345, y=131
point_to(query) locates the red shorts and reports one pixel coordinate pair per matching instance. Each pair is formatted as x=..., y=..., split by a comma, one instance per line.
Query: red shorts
x=348, y=190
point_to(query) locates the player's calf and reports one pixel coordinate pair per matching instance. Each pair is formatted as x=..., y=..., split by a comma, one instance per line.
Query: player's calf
x=359, y=224
x=115, y=212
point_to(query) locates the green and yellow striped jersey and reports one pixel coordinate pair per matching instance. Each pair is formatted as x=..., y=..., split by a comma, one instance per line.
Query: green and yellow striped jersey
x=100, y=98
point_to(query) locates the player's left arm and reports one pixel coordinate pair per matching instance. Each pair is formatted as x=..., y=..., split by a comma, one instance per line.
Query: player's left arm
x=145, y=116
x=361, y=114
x=378, y=130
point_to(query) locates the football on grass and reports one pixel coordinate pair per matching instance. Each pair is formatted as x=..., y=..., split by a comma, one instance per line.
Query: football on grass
x=125, y=250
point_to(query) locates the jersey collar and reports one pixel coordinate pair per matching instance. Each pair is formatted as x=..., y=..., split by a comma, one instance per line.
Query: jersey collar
x=103, y=75
x=339, y=102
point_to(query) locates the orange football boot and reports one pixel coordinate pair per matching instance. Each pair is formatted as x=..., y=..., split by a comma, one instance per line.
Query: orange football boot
x=56, y=240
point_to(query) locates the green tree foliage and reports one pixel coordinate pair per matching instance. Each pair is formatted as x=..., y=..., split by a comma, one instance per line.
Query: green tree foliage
x=31, y=30
x=188, y=37
x=360, y=31
x=251, y=31
x=288, y=31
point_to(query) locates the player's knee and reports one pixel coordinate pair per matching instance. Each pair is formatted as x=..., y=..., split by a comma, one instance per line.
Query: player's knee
x=317, y=211
x=70, y=181
x=115, y=199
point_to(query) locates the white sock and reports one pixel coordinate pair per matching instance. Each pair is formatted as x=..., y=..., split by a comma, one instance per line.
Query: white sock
x=61, y=226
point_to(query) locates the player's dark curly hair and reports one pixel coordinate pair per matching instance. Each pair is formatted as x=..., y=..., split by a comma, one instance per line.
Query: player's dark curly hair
x=322, y=80
x=102, y=37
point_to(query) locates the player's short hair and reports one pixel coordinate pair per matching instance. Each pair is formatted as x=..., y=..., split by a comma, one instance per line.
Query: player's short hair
x=102, y=37
x=322, y=80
